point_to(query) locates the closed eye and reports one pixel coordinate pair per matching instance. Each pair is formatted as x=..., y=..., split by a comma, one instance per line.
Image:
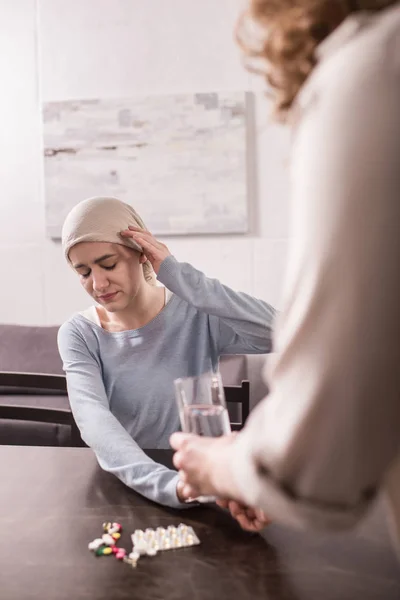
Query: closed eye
x=110, y=268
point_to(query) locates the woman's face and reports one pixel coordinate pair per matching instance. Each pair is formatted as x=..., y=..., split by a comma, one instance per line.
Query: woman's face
x=111, y=274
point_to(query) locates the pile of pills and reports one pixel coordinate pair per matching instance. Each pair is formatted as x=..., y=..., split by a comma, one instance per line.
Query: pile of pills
x=145, y=543
x=107, y=544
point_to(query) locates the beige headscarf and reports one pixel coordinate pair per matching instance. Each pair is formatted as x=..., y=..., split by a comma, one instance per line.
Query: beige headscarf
x=101, y=220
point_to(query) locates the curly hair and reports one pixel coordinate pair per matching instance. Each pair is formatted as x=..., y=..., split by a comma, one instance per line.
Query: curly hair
x=280, y=38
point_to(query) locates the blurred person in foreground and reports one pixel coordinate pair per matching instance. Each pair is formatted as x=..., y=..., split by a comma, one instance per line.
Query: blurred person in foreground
x=317, y=451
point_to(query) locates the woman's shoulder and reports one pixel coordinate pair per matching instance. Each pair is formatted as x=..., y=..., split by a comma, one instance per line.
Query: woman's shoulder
x=91, y=315
x=77, y=326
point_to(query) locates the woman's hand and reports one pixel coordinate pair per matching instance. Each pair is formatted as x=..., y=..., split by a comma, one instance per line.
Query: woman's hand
x=154, y=250
x=182, y=497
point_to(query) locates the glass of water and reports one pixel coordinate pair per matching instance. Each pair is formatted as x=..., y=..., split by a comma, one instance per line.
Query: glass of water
x=202, y=408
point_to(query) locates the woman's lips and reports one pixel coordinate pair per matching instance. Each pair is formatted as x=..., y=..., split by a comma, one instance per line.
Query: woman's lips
x=108, y=297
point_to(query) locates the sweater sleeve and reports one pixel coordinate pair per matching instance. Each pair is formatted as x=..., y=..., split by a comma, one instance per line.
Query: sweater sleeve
x=243, y=323
x=316, y=451
x=115, y=450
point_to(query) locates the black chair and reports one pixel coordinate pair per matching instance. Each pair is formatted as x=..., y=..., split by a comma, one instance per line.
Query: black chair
x=238, y=395
x=31, y=383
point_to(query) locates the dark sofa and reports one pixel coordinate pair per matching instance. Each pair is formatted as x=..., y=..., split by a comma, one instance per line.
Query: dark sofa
x=30, y=349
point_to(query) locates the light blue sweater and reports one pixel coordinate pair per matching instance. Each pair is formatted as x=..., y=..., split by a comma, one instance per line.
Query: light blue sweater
x=120, y=385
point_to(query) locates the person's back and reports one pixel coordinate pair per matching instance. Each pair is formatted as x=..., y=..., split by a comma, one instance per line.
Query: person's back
x=337, y=381
x=327, y=439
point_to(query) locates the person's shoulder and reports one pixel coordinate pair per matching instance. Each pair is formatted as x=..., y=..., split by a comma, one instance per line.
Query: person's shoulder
x=74, y=327
x=374, y=51
x=358, y=64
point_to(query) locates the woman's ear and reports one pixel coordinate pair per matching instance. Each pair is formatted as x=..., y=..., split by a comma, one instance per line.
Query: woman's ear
x=143, y=258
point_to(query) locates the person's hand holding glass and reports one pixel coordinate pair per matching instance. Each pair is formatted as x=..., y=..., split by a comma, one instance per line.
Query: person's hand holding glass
x=203, y=412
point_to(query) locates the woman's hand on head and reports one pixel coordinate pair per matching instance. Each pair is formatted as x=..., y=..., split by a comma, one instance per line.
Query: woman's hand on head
x=154, y=250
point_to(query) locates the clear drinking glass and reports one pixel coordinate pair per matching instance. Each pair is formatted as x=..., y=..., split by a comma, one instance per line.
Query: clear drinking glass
x=202, y=408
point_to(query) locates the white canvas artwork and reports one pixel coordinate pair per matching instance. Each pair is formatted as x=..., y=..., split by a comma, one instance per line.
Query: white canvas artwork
x=179, y=160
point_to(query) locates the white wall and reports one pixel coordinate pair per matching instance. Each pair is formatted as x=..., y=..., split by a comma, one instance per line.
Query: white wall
x=62, y=49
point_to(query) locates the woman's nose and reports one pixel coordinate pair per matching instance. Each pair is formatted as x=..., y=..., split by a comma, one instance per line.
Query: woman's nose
x=100, y=282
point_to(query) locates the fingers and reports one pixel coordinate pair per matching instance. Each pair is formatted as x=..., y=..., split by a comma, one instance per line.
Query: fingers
x=128, y=233
x=188, y=492
x=146, y=243
x=261, y=516
x=245, y=523
x=250, y=519
x=249, y=524
x=242, y=514
x=184, y=492
x=260, y=525
x=177, y=461
x=236, y=508
x=154, y=250
x=179, y=491
x=133, y=228
x=178, y=440
x=182, y=476
x=142, y=234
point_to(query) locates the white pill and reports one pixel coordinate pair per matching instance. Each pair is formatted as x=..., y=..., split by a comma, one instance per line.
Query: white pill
x=95, y=544
x=134, y=555
x=108, y=539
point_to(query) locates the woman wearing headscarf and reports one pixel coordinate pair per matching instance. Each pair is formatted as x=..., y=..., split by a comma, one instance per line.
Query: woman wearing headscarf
x=122, y=354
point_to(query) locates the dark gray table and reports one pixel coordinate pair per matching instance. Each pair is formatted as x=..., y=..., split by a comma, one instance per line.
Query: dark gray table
x=53, y=501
